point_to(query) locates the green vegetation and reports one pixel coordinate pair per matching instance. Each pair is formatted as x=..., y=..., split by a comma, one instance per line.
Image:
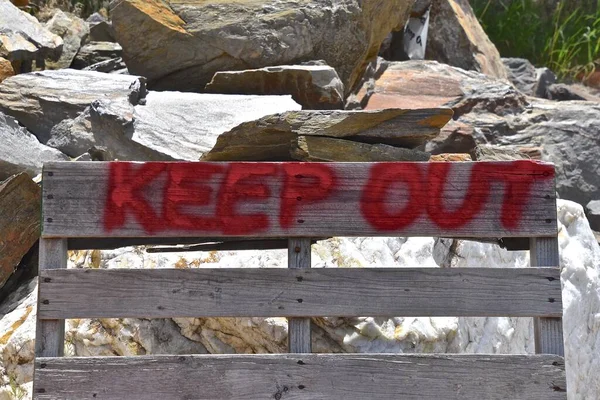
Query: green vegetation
x=562, y=35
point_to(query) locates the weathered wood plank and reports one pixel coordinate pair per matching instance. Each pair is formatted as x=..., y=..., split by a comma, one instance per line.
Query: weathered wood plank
x=486, y=199
x=50, y=332
x=306, y=377
x=548, y=332
x=299, y=332
x=339, y=292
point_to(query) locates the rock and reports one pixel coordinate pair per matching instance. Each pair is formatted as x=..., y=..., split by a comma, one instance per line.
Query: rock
x=169, y=126
x=180, y=45
x=73, y=31
x=455, y=37
x=419, y=84
x=318, y=148
x=100, y=29
x=22, y=38
x=455, y=138
x=522, y=74
x=545, y=77
x=114, y=65
x=313, y=87
x=592, y=211
x=95, y=52
x=446, y=157
x=269, y=138
x=20, y=204
x=6, y=69
x=20, y=151
x=40, y=100
x=497, y=153
x=564, y=92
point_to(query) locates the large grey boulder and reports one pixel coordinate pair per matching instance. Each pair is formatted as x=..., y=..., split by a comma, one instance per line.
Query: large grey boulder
x=20, y=151
x=40, y=100
x=23, y=38
x=73, y=30
x=168, y=126
x=180, y=45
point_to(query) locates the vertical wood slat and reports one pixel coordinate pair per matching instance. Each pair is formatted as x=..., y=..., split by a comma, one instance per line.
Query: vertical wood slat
x=299, y=336
x=547, y=331
x=50, y=334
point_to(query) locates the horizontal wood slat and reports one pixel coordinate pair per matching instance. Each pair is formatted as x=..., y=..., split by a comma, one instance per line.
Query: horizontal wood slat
x=305, y=377
x=300, y=293
x=182, y=199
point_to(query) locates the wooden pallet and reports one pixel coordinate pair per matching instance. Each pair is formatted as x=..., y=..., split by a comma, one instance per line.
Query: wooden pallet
x=300, y=202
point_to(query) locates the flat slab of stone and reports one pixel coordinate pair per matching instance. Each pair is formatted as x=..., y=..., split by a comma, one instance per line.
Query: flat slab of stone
x=269, y=138
x=22, y=37
x=20, y=205
x=314, y=87
x=319, y=148
x=40, y=100
x=20, y=151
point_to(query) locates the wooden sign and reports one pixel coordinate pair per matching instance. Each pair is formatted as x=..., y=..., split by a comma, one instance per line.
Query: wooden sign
x=195, y=199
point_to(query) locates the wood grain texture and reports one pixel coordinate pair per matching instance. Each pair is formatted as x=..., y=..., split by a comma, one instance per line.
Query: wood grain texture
x=317, y=292
x=49, y=333
x=548, y=332
x=299, y=331
x=363, y=199
x=305, y=377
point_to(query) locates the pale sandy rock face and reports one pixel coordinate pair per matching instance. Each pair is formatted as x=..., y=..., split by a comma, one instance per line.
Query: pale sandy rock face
x=580, y=262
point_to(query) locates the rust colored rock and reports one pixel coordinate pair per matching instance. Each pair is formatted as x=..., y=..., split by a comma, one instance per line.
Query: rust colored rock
x=20, y=3
x=20, y=204
x=6, y=69
x=455, y=37
x=445, y=157
x=314, y=87
x=429, y=84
